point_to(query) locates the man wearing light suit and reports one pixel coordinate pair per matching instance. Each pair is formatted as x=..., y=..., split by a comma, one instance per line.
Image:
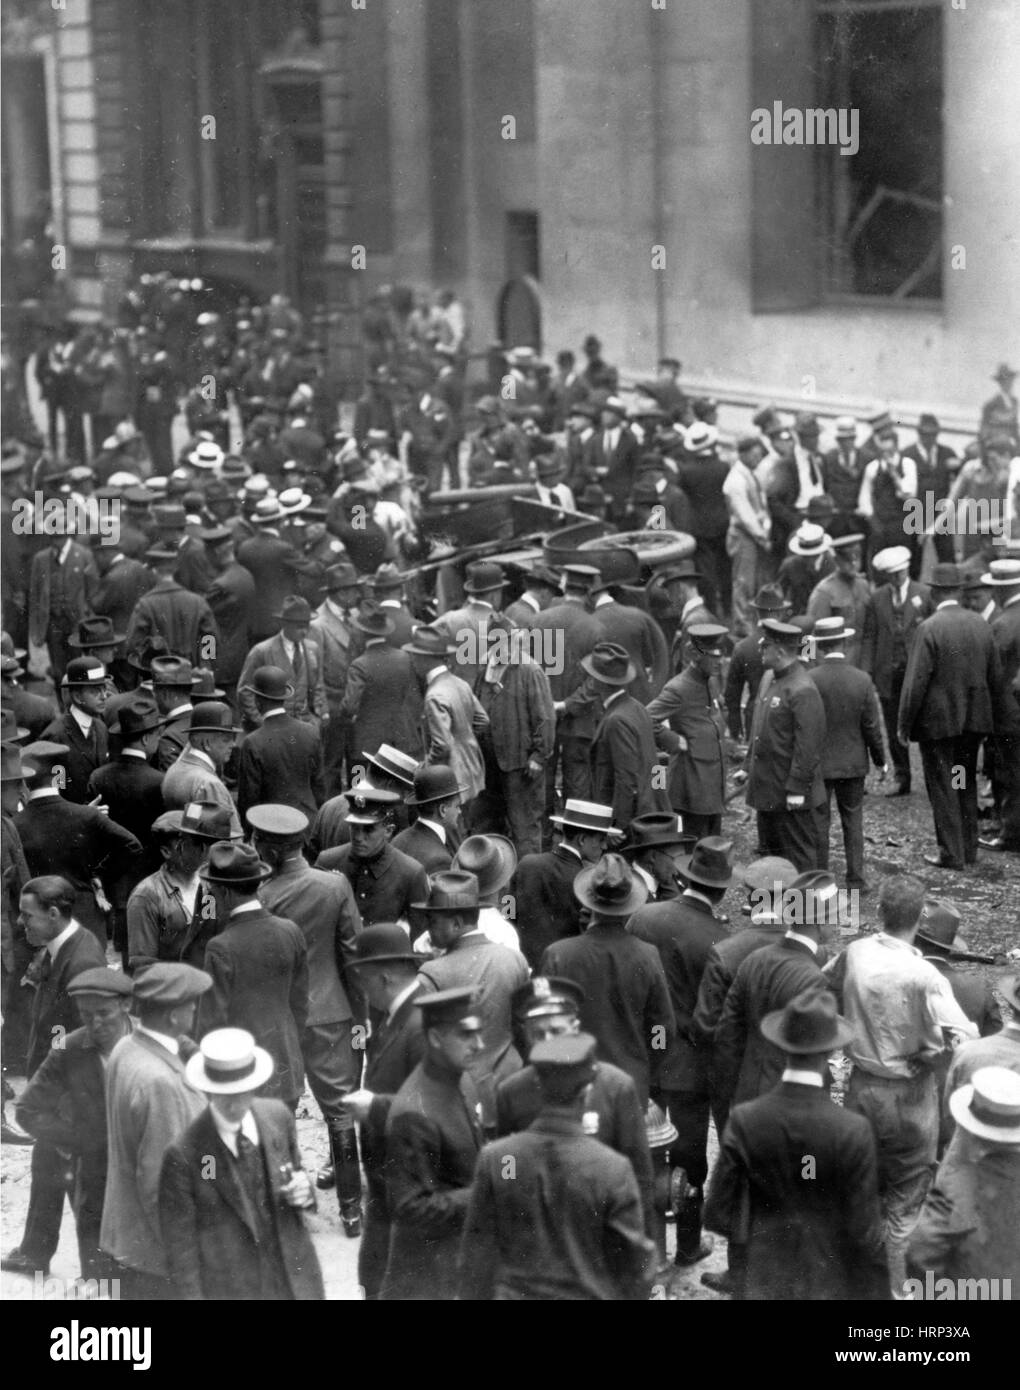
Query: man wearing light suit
x=300, y=660
x=452, y=716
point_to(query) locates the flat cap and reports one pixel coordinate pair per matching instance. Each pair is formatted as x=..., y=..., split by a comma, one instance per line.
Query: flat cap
x=169, y=983
x=102, y=980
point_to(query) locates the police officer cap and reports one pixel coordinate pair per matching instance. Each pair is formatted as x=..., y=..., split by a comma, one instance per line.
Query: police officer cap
x=572, y=1053
x=548, y=994
x=277, y=821
x=102, y=980
x=448, y=1006
x=788, y=633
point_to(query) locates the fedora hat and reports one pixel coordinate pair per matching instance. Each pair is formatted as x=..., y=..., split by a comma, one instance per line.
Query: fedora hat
x=373, y=622
x=271, y=683
x=809, y=1023
x=435, y=783
x=451, y=891
x=175, y=671
x=294, y=609
x=588, y=815
x=152, y=648
x=169, y=516
x=832, y=630
x=10, y=730
x=1002, y=573
x=387, y=578
x=213, y=536
x=1004, y=372
x=139, y=714
x=394, y=763
x=990, y=1106
x=610, y=664
x=342, y=576
x=213, y=717
x=234, y=866
x=491, y=858
x=382, y=942
x=945, y=576
x=483, y=577
x=937, y=930
x=770, y=599
x=820, y=508
x=95, y=632
x=655, y=828
x=709, y=863
x=206, y=820
x=228, y=1062
x=85, y=671
x=204, y=687
x=810, y=539
x=610, y=887
x=429, y=641
x=11, y=767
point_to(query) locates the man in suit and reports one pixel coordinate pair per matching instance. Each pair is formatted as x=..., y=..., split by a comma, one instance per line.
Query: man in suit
x=323, y=905
x=78, y=843
x=623, y=753
x=935, y=464
x=32, y=712
x=692, y=725
x=842, y=468
x=802, y=1233
x=385, y=880
x=543, y=886
x=948, y=703
x=451, y=715
x=298, y=658
x=81, y=727
x=275, y=566
x=389, y=587
x=745, y=669
x=387, y=972
x=572, y=1225
x=231, y=599
x=639, y=634
x=783, y=776
x=749, y=538
x=845, y=593
x=259, y=966
x=853, y=731
x=894, y=612
x=999, y=414
x=684, y=932
x=541, y=588
x=1004, y=577
x=237, y=1233
x=173, y=680
x=15, y=952
x=133, y=792
x=1001, y=1049
x=332, y=627
x=433, y=1137
x=382, y=700
x=626, y=1005
x=467, y=628
x=197, y=773
x=64, y=1104
x=809, y=562
x=611, y=455
x=46, y=908
x=171, y=915
x=62, y=586
x=744, y=1063
x=184, y=620
x=679, y=583
x=471, y=959
x=282, y=758
x=434, y=837
x=568, y=628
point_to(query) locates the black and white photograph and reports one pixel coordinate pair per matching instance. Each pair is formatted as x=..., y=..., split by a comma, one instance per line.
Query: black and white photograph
x=510, y=666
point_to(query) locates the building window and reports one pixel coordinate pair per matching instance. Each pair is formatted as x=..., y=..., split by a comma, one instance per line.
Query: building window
x=882, y=205
x=522, y=245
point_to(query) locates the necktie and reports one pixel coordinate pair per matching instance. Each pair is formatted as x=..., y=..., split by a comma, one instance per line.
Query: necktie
x=298, y=660
x=247, y=1157
x=815, y=477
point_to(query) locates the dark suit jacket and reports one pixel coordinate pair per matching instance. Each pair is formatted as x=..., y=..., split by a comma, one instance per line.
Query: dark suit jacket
x=787, y=733
x=745, y=1063
x=383, y=888
x=134, y=793
x=323, y=906
x=697, y=774
x=208, y=1225
x=745, y=672
x=76, y=842
x=642, y=637
x=281, y=761
x=543, y=888
x=683, y=932
x=173, y=741
x=84, y=755
x=421, y=843
x=259, y=965
x=571, y=623
x=798, y=575
x=877, y=639
x=853, y=723
x=626, y=1007
x=232, y=599
x=953, y=677
x=32, y=712
x=119, y=590
x=933, y=475
x=1005, y=630
x=53, y=1012
x=274, y=565
x=809, y=1234
x=382, y=701
x=182, y=618
x=621, y=465
x=622, y=756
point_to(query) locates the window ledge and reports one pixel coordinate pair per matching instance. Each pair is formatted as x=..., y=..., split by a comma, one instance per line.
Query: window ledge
x=176, y=245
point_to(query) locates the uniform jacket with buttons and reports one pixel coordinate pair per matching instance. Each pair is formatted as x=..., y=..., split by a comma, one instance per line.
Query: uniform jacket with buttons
x=697, y=773
x=787, y=734
x=385, y=887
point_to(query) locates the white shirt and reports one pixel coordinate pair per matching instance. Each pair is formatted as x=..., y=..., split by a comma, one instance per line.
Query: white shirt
x=40, y=792
x=54, y=946
x=164, y=1039
x=433, y=675
x=804, y=941
x=493, y=925
x=802, y=1078
x=603, y=599
x=186, y=708
x=615, y=696
x=133, y=753
x=83, y=720
x=228, y=1132
x=247, y=907
x=647, y=878
x=268, y=714
x=405, y=993
x=433, y=825
x=288, y=647
x=197, y=753
x=65, y=550
x=947, y=603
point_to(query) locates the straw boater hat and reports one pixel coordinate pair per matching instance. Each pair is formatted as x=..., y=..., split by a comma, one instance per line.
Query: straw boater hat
x=588, y=815
x=990, y=1106
x=228, y=1063
x=810, y=539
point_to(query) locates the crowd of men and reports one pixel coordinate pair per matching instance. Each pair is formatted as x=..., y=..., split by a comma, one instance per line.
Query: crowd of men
x=280, y=809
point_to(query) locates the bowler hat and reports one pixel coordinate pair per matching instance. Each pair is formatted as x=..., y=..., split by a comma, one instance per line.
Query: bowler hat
x=491, y=858
x=808, y=1023
x=429, y=641
x=234, y=866
x=373, y=622
x=394, y=763
x=275, y=821
x=655, y=828
x=383, y=941
x=138, y=715
x=610, y=887
x=213, y=717
x=770, y=599
x=101, y=980
x=610, y=664
x=451, y=891
x=588, y=815
x=228, y=1062
x=989, y=1106
x=683, y=569
x=945, y=576
x=169, y=983
x=832, y=630
x=294, y=610
x=342, y=576
x=435, y=783
x=95, y=632
x=449, y=1006
x=206, y=820
x=483, y=577
x=271, y=683
x=85, y=671
x=710, y=863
